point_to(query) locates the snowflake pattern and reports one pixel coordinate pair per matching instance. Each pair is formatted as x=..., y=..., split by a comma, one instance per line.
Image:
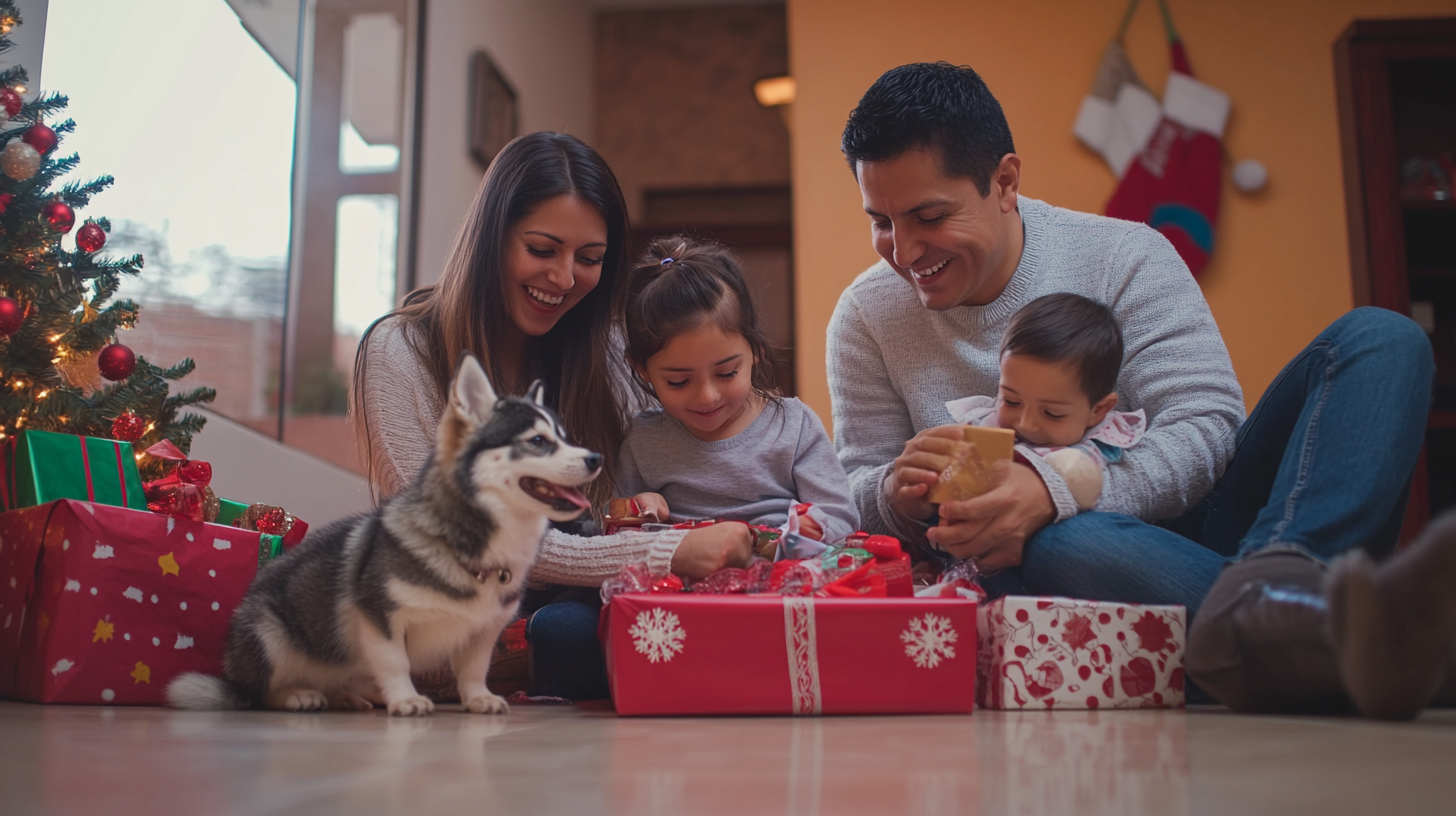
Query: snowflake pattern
x=658, y=634
x=928, y=640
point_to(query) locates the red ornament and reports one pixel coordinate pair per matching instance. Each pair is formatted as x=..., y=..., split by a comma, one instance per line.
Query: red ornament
x=11, y=316
x=40, y=137
x=116, y=362
x=273, y=521
x=10, y=100
x=5, y=199
x=90, y=237
x=60, y=215
x=128, y=427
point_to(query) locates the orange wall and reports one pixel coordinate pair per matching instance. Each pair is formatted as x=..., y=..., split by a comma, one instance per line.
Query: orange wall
x=1280, y=270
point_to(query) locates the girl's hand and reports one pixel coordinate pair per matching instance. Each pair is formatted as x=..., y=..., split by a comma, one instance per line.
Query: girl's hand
x=705, y=550
x=809, y=528
x=652, y=504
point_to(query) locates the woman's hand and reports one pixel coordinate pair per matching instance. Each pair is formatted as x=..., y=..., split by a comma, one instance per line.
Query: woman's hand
x=914, y=471
x=705, y=550
x=652, y=504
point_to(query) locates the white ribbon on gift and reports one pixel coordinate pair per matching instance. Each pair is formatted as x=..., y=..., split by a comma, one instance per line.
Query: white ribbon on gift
x=801, y=641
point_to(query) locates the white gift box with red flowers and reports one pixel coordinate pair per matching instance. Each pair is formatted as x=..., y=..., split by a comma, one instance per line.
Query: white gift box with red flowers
x=1041, y=653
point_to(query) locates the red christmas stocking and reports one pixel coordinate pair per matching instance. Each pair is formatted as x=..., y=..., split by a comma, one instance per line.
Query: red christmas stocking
x=1175, y=182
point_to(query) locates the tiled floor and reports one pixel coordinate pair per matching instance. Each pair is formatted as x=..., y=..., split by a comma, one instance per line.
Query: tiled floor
x=120, y=761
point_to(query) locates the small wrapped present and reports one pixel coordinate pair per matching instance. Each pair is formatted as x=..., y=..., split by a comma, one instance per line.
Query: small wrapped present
x=270, y=520
x=978, y=465
x=674, y=653
x=105, y=605
x=41, y=467
x=1062, y=653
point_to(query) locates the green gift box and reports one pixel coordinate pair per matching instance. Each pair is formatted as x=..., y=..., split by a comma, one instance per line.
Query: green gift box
x=41, y=467
x=228, y=512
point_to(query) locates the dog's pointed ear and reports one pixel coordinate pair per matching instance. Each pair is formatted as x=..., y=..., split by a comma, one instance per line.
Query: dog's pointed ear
x=537, y=393
x=471, y=393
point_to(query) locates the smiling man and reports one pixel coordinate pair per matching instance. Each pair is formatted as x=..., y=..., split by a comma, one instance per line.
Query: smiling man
x=1272, y=498
x=963, y=251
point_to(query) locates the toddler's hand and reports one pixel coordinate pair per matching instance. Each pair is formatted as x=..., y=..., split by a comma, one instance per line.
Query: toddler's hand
x=652, y=504
x=809, y=528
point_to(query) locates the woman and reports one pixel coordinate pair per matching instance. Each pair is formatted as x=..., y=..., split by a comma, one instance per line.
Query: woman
x=531, y=287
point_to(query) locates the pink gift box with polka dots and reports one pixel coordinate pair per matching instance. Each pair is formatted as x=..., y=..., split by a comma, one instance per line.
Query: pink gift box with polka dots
x=104, y=605
x=1041, y=653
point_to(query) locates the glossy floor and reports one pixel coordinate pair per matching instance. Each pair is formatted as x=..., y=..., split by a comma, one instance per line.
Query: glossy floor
x=121, y=761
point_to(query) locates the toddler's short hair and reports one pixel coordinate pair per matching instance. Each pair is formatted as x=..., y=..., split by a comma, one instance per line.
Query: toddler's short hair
x=1070, y=328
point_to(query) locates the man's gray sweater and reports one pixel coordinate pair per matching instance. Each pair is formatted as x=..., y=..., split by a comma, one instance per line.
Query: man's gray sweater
x=893, y=364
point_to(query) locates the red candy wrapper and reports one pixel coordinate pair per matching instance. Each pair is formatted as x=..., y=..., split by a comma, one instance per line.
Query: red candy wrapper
x=959, y=580
x=1062, y=653
x=182, y=493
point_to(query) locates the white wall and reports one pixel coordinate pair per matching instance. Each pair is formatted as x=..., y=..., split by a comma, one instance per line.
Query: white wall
x=251, y=467
x=544, y=49
x=28, y=41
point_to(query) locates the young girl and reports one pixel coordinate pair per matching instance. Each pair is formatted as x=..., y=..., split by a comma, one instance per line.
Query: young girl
x=724, y=445
x=1060, y=358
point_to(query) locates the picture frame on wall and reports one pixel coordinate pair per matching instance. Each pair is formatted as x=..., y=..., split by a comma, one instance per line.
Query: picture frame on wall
x=494, y=111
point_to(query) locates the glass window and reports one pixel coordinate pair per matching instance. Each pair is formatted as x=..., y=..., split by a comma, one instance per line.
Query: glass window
x=199, y=137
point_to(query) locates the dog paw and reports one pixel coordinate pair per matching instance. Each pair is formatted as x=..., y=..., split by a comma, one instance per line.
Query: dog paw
x=416, y=706
x=305, y=700
x=487, y=704
x=349, y=701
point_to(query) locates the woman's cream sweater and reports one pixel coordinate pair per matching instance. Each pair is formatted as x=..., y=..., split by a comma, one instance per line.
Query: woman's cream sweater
x=402, y=406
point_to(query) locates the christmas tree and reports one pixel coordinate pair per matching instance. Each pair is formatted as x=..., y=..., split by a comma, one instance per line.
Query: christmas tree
x=57, y=322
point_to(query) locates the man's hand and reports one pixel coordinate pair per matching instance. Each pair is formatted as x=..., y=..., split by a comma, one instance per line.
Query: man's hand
x=993, y=528
x=705, y=550
x=914, y=471
x=652, y=504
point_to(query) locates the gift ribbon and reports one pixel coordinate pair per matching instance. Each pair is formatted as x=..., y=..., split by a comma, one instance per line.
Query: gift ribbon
x=801, y=641
x=86, y=466
x=9, y=486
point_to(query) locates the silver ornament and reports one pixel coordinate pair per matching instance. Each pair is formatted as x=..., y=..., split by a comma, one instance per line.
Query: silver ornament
x=19, y=160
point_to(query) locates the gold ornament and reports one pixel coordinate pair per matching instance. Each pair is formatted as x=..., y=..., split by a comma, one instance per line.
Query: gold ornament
x=78, y=369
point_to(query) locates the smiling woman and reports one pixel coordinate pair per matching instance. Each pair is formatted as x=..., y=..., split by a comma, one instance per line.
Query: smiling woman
x=531, y=287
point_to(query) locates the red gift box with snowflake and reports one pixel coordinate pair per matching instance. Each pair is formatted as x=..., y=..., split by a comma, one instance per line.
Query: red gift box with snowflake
x=1040, y=653
x=105, y=605
x=770, y=654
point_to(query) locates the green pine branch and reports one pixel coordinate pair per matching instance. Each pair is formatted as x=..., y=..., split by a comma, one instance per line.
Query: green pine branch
x=48, y=378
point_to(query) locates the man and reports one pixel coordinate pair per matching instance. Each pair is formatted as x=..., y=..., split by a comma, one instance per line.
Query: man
x=1321, y=468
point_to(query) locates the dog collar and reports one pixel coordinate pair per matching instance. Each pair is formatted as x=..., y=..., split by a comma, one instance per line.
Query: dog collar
x=481, y=576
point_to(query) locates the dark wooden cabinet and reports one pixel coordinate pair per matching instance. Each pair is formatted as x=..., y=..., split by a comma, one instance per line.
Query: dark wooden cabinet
x=1396, y=81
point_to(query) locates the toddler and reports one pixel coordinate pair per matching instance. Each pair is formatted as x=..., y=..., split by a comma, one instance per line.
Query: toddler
x=724, y=444
x=1060, y=357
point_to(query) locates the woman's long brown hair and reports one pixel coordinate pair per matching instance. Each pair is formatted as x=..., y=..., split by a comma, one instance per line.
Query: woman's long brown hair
x=466, y=309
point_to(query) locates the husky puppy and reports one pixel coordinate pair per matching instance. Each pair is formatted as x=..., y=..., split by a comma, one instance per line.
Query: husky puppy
x=433, y=575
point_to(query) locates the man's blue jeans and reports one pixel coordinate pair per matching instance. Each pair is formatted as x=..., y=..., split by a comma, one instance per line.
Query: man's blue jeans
x=1323, y=464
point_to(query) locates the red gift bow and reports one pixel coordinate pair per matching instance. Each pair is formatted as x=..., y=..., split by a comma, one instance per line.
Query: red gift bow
x=180, y=493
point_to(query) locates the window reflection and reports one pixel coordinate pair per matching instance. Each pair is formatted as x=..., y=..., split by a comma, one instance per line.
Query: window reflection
x=199, y=137
x=355, y=123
